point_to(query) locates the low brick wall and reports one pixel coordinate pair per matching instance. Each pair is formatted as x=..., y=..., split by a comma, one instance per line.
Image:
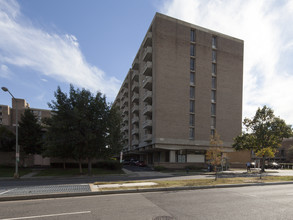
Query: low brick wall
x=237, y=165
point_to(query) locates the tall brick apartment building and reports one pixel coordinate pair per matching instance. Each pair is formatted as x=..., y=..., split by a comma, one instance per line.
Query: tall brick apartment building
x=185, y=83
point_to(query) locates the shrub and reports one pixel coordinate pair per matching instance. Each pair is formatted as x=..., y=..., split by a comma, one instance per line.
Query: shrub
x=193, y=167
x=159, y=168
x=108, y=164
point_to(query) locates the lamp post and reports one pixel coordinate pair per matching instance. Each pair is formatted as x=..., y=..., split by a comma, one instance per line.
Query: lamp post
x=16, y=174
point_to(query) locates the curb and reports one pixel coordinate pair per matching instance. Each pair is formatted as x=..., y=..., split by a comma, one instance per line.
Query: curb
x=65, y=195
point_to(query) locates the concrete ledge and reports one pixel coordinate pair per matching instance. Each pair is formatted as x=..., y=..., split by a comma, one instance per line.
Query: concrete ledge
x=64, y=195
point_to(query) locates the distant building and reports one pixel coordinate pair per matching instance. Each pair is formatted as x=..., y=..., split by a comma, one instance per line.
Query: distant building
x=8, y=115
x=185, y=83
x=8, y=119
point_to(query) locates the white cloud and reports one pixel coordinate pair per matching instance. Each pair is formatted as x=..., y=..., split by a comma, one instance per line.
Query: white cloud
x=5, y=72
x=51, y=54
x=265, y=27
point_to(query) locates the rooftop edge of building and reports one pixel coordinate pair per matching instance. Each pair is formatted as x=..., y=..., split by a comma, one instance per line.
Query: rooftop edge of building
x=195, y=26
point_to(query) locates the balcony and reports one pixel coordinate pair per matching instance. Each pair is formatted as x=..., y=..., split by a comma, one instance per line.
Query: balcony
x=147, y=97
x=134, y=131
x=135, y=109
x=135, y=98
x=135, y=64
x=125, y=102
x=147, y=123
x=125, y=83
x=124, y=128
x=134, y=87
x=135, y=120
x=124, y=93
x=147, y=40
x=135, y=142
x=147, y=83
x=147, y=137
x=125, y=111
x=134, y=75
x=147, y=54
x=147, y=69
x=147, y=110
x=125, y=120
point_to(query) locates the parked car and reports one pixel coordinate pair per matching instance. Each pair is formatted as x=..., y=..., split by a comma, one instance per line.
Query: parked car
x=140, y=163
x=132, y=162
x=273, y=165
x=126, y=162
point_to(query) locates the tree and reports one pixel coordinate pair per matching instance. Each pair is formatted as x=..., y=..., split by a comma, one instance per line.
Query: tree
x=30, y=133
x=114, y=137
x=7, y=139
x=79, y=123
x=214, y=155
x=264, y=134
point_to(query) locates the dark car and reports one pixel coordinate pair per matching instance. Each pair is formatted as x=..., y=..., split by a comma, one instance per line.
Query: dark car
x=140, y=163
x=126, y=162
x=132, y=162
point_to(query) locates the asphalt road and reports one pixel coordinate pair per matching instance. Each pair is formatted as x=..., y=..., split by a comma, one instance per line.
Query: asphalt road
x=254, y=202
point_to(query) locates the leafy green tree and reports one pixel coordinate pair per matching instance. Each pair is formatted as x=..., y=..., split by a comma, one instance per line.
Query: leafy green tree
x=264, y=134
x=114, y=138
x=30, y=133
x=79, y=125
x=57, y=140
x=90, y=114
x=7, y=139
x=60, y=136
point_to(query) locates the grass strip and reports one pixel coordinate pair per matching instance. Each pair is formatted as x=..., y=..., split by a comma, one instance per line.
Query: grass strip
x=9, y=171
x=199, y=182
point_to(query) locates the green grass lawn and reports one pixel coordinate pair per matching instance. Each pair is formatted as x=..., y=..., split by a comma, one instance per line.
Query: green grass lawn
x=75, y=172
x=9, y=171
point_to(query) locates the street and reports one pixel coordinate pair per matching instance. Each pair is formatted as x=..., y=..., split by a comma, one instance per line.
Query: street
x=254, y=202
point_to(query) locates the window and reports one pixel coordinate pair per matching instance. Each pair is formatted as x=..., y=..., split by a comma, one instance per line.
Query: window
x=212, y=132
x=192, y=78
x=192, y=35
x=191, y=106
x=214, y=56
x=191, y=133
x=192, y=90
x=213, y=98
x=213, y=122
x=214, y=42
x=214, y=83
x=213, y=68
x=192, y=61
x=213, y=109
x=192, y=50
x=191, y=120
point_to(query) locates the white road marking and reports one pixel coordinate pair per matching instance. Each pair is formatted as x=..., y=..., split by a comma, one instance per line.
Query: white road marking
x=43, y=216
x=7, y=191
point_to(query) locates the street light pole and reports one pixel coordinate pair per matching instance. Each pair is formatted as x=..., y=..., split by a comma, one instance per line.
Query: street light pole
x=16, y=174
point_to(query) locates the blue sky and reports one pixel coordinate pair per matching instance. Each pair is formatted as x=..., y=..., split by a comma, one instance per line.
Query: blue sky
x=92, y=44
